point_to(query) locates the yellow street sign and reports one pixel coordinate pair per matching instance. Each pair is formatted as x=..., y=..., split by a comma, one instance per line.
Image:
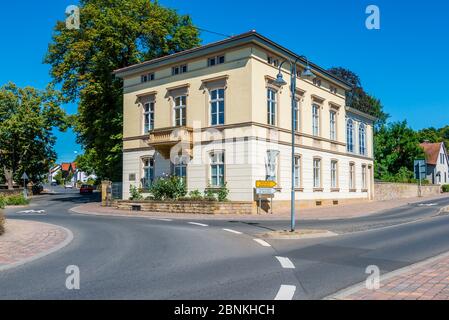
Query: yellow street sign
x=265, y=184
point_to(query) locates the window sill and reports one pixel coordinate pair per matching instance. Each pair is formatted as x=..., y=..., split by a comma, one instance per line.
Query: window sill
x=318, y=189
x=299, y=189
x=364, y=190
x=352, y=190
x=335, y=189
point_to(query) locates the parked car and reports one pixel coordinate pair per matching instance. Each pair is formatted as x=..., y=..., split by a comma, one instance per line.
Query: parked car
x=37, y=188
x=54, y=184
x=68, y=186
x=85, y=188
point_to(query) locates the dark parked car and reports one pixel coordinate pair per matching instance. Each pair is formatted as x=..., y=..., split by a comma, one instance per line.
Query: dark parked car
x=85, y=188
x=54, y=184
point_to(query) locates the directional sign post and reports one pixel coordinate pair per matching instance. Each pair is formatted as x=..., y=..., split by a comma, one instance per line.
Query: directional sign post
x=265, y=188
x=420, y=170
x=265, y=184
x=25, y=177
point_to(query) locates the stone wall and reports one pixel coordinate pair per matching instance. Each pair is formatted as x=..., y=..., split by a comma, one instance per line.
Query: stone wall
x=199, y=207
x=13, y=192
x=390, y=191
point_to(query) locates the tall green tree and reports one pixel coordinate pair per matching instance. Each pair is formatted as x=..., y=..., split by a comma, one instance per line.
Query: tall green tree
x=113, y=34
x=396, y=147
x=432, y=134
x=27, y=120
x=358, y=99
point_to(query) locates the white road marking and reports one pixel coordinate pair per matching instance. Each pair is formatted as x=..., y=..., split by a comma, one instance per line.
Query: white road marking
x=232, y=231
x=198, y=224
x=286, y=292
x=262, y=243
x=427, y=204
x=161, y=219
x=286, y=263
x=31, y=211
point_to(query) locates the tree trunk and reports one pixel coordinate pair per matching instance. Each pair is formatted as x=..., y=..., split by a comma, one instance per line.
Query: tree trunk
x=8, y=177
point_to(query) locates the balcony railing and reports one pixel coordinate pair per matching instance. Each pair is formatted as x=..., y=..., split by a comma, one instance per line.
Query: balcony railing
x=165, y=138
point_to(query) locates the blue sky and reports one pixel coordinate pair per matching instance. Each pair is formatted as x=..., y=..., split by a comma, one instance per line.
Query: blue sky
x=405, y=63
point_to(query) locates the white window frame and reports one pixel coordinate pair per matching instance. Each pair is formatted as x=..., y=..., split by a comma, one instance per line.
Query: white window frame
x=350, y=135
x=364, y=181
x=217, y=160
x=216, y=60
x=182, y=111
x=362, y=139
x=334, y=174
x=297, y=167
x=177, y=70
x=180, y=164
x=148, y=114
x=315, y=119
x=271, y=106
x=352, y=185
x=333, y=125
x=297, y=116
x=150, y=166
x=316, y=173
x=217, y=102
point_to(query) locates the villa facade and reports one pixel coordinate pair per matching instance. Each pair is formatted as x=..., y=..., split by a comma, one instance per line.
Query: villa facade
x=215, y=115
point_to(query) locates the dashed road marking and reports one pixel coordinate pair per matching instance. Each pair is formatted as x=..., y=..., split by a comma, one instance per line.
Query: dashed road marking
x=31, y=212
x=427, y=204
x=198, y=224
x=286, y=263
x=161, y=219
x=262, y=243
x=232, y=231
x=286, y=292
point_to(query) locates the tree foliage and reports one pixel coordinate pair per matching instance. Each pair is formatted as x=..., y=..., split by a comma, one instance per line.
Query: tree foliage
x=112, y=35
x=27, y=119
x=358, y=99
x=396, y=147
x=435, y=135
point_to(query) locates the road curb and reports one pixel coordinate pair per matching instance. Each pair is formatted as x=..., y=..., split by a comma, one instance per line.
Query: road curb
x=42, y=254
x=340, y=295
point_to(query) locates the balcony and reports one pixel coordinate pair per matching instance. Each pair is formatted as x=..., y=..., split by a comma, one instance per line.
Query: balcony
x=162, y=140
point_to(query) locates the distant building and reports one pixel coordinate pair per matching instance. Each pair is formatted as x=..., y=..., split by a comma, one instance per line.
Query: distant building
x=437, y=162
x=70, y=168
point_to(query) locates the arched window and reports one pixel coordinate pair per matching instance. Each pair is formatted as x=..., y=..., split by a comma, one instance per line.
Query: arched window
x=362, y=139
x=350, y=135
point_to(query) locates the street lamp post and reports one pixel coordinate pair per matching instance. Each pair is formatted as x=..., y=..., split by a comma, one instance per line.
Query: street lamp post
x=307, y=73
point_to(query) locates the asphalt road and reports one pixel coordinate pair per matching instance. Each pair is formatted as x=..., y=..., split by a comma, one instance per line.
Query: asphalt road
x=139, y=258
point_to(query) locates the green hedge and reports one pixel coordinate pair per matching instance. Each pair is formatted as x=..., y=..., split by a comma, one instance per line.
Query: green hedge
x=445, y=188
x=2, y=223
x=14, y=200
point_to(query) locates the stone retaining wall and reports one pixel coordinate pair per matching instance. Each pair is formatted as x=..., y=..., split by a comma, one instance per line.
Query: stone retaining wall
x=389, y=191
x=13, y=192
x=198, y=207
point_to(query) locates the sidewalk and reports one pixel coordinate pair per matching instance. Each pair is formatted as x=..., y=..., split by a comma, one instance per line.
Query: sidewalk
x=25, y=241
x=335, y=212
x=427, y=280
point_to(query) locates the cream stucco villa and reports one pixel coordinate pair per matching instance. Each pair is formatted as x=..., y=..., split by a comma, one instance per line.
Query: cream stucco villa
x=214, y=115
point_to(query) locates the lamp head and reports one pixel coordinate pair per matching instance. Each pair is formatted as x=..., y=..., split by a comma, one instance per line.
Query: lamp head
x=280, y=80
x=308, y=74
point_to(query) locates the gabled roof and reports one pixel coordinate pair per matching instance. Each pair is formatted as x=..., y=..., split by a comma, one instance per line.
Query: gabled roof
x=432, y=151
x=247, y=37
x=66, y=166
